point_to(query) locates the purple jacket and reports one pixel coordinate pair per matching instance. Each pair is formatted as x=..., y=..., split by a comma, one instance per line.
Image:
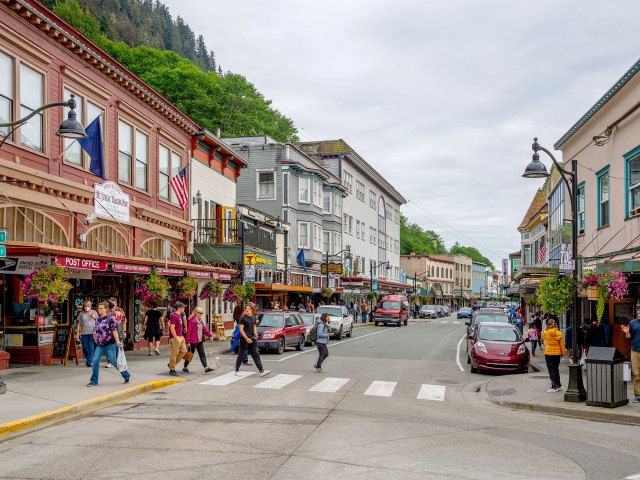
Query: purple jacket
x=192, y=331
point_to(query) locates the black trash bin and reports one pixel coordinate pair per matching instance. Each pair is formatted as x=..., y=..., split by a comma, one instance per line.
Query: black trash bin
x=605, y=384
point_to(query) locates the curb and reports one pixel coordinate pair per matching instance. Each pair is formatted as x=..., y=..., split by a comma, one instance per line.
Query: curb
x=85, y=406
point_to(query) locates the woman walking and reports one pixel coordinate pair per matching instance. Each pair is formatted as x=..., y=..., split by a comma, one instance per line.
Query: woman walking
x=153, y=328
x=553, y=352
x=322, y=334
x=86, y=326
x=249, y=341
x=196, y=331
x=108, y=341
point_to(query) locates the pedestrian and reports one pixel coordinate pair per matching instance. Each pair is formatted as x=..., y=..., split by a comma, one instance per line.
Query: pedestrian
x=235, y=343
x=322, y=333
x=152, y=328
x=537, y=320
x=176, y=338
x=632, y=332
x=196, y=333
x=517, y=322
x=568, y=343
x=120, y=316
x=365, y=312
x=107, y=343
x=533, y=334
x=249, y=341
x=86, y=326
x=594, y=336
x=553, y=352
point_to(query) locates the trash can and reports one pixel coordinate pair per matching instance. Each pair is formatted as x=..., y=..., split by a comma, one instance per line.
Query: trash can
x=605, y=378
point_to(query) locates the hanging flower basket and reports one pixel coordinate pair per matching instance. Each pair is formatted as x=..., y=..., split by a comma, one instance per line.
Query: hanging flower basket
x=326, y=292
x=186, y=288
x=604, y=286
x=48, y=284
x=155, y=288
x=211, y=289
x=592, y=293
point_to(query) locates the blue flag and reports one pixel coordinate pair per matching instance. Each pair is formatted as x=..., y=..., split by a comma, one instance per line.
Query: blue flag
x=93, y=146
x=301, y=261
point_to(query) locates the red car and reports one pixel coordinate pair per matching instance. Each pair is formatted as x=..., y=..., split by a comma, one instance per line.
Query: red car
x=278, y=330
x=497, y=347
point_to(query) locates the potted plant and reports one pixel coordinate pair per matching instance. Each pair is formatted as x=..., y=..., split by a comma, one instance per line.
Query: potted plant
x=326, y=292
x=186, y=288
x=555, y=293
x=211, y=289
x=612, y=285
x=48, y=284
x=155, y=288
x=590, y=284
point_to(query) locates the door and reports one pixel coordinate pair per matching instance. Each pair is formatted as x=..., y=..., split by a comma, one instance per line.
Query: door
x=290, y=329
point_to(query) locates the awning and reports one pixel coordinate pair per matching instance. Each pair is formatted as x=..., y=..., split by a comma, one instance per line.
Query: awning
x=280, y=287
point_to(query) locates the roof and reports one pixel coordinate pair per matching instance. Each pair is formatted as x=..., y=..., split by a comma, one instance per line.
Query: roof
x=538, y=206
x=629, y=74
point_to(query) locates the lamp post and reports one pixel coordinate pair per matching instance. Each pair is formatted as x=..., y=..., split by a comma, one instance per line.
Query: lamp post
x=371, y=268
x=348, y=256
x=536, y=169
x=277, y=229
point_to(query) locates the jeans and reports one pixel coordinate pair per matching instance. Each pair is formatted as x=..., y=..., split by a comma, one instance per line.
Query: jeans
x=553, y=365
x=323, y=353
x=111, y=352
x=253, y=350
x=88, y=348
x=200, y=347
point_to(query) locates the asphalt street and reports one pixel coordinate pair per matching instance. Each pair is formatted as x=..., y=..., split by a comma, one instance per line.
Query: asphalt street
x=393, y=403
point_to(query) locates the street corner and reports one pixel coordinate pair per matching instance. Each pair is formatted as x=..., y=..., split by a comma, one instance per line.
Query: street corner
x=84, y=407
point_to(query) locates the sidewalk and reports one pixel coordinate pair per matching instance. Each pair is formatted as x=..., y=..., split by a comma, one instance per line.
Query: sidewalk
x=529, y=392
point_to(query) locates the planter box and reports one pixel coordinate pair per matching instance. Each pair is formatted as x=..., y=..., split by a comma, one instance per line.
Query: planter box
x=4, y=360
x=592, y=293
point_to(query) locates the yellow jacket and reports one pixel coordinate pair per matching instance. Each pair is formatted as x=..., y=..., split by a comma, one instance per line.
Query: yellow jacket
x=553, y=341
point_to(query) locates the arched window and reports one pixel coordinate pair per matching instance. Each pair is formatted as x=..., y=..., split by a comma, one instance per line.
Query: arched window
x=154, y=247
x=25, y=224
x=107, y=239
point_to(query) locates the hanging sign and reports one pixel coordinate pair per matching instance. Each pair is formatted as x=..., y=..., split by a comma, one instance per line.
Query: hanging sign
x=131, y=268
x=222, y=276
x=171, y=272
x=566, y=260
x=198, y=274
x=111, y=202
x=82, y=263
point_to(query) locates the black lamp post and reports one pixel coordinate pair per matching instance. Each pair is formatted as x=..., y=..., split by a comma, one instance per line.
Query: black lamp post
x=371, y=268
x=277, y=229
x=536, y=169
x=348, y=256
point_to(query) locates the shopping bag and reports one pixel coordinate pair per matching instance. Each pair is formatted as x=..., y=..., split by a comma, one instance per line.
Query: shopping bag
x=626, y=372
x=121, y=361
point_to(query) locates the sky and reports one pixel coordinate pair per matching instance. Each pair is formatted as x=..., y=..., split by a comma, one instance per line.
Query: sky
x=442, y=97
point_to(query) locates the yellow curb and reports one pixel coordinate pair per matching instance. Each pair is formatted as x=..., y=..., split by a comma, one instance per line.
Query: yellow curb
x=86, y=405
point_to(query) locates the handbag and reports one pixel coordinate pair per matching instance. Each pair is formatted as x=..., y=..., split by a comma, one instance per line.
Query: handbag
x=188, y=356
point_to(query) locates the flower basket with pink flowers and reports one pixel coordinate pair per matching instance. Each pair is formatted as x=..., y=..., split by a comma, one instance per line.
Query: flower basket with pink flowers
x=48, y=284
x=612, y=285
x=153, y=289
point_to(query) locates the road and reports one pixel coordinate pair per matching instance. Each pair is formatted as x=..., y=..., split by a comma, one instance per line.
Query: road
x=393, y=404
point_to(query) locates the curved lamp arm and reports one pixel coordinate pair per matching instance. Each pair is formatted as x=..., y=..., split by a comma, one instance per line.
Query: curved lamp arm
x=563, y=172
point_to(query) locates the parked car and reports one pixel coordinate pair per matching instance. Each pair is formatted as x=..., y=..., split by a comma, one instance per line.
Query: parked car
x=428, y=311
x=392, y=309
x=446, y=310
x=340, y=320
x=464, y=312
x=485, y=315
x=278, y=330
x=440, y=310
x=309, y=320
x=496, y=347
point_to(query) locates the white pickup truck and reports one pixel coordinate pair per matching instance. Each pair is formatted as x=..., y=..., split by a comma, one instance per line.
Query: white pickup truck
x=340, y=320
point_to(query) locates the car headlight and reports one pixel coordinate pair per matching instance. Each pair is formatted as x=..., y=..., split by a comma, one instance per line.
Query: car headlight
x=268, y=336
x=522, y=349
x=480, y=346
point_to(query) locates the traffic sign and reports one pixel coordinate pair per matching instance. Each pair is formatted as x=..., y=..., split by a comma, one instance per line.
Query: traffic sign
x=3, y=251
x=3, y=248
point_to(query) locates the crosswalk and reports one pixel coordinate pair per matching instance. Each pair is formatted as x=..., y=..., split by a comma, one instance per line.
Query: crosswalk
x=376, y=388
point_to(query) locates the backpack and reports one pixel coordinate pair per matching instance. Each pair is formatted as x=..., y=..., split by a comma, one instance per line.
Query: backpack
x=313, y=334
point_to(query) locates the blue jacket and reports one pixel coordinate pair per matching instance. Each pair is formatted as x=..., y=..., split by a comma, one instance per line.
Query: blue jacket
x=236, y=338
x=634, y=330
x=322, y=333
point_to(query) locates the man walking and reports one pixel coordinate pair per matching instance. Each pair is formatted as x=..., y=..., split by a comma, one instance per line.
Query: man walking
x=178, y=344
x=322, y=333
x=249, y=341
x=632, y=332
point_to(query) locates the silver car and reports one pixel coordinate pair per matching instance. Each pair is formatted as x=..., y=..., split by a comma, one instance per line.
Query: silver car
x=309, y=320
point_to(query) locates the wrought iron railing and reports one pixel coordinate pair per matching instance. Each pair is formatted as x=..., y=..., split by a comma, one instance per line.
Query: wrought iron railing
x=225, y=232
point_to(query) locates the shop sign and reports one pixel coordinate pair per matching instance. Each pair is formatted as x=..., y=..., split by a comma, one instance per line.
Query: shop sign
x=566, y=260
x=45, y=338
x=351, y=282
x=111, y=202
x=82, y=263
x=171, y=272
x=253, y=259
x=333, y=268
x=198, y=274
x=131, y=268
x=222, y=276
x=22, y=265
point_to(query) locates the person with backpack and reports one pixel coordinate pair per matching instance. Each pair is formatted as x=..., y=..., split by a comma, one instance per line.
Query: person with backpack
x=321, y=335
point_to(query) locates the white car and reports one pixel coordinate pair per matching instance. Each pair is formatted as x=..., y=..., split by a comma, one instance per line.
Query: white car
x=340, y=320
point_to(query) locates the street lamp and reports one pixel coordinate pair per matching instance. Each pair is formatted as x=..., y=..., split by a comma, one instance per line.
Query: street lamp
x=536, y=169
x=348, y=256
x=415, y=287
x=371, y=268
x=277, y=229
x=70, y=128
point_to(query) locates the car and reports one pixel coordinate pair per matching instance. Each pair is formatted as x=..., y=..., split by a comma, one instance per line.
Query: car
x=465, y=312
x=392, y=309
x=485, y=315
x=309, y=320
x=497, y=347
x=446, y=310
x=440, y=310
x=340, y=320
x=278, y=330
x=428, y=311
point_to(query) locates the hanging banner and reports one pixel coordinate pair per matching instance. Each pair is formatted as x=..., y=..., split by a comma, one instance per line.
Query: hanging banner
x=111, y=202
x=131, y=268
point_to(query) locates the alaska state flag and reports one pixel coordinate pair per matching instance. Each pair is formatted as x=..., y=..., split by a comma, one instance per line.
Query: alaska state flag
x=93, y=146
x=301, y=261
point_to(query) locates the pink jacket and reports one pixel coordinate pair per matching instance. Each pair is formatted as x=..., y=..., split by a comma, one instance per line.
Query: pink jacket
x=192, y=331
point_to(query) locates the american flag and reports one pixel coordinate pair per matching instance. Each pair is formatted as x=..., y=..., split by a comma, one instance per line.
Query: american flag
x=543, y=253
x=179, y=185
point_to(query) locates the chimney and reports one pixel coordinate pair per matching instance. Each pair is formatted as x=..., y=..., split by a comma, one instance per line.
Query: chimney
x=286, y=151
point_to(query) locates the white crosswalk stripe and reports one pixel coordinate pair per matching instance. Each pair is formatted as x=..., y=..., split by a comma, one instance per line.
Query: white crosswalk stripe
x=329, y=385
x=432, y=392
x=226, y=379
x=279, y=381
x=455, y=322
x=381, y=389
x=444, y=321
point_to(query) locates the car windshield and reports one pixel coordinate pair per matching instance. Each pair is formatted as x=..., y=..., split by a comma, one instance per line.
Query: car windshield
x=429, y=307
x=465, y=309
x=270, y=319
x=390, y=305
x=333, y=311
x=498, y=334
x=308, y=318
x=490, y=318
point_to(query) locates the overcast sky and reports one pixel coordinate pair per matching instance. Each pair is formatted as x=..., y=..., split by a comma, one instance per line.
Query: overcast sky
x=442, y=97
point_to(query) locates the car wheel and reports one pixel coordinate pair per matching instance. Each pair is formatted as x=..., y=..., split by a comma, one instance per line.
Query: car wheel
x=300, y=345
x=350, y=334
x=473, y=369
x=280, y=349
x=399, y=324
x=339, y=334
x=468, y=360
